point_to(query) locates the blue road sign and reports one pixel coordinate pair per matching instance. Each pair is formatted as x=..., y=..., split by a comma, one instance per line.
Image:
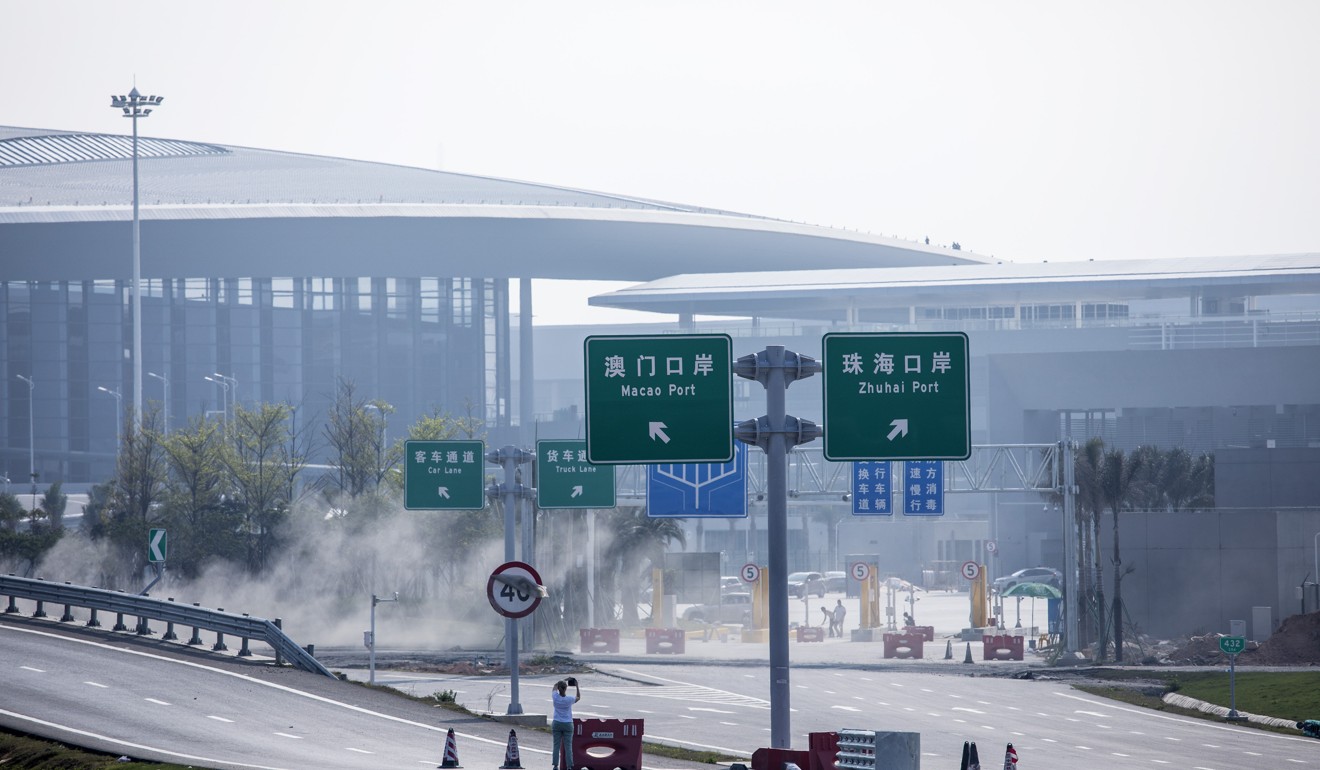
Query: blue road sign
x=699, y=490
x=873, y=488
x=923, y=488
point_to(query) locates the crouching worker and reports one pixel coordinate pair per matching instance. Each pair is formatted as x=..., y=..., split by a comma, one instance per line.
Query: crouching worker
x=1310, y=727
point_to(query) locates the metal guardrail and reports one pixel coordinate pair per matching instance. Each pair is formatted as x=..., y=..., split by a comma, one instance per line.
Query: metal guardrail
x=147, y=609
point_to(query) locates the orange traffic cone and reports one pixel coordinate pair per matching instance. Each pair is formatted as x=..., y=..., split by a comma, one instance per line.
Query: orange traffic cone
x=451, y=751
x=511, y=759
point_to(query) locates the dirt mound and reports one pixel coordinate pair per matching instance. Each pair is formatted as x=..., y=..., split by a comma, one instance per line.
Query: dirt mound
x=1295, y=643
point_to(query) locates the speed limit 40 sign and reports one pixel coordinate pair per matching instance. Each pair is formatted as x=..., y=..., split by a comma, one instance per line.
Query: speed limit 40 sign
x=514, y=589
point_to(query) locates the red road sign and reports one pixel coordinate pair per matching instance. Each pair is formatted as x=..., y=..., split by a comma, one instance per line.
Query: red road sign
x=514, y=589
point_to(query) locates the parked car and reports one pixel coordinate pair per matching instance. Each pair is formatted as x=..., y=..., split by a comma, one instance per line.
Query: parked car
x=1029, y=575
x=733, y=608
x=836, y=582
x=731, y=584
x=803, y=583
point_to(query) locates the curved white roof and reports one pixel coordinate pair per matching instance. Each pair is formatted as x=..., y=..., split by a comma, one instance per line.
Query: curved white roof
x=826, y=293
x=212, y=210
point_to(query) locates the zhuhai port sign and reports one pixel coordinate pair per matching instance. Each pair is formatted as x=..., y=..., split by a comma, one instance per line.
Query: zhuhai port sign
x=900, y=396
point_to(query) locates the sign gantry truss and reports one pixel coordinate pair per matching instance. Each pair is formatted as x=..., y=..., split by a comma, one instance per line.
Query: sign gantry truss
x=990, y=468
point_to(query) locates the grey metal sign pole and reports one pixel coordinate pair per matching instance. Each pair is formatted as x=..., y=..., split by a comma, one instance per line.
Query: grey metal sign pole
x=509, y=458
x=1071, y=578
x=775, y=368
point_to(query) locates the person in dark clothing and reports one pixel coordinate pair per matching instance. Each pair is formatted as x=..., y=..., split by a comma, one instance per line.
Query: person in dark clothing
x=1309, y=727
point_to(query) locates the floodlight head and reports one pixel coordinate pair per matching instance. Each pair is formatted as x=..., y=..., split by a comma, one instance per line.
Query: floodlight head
x=134, y=93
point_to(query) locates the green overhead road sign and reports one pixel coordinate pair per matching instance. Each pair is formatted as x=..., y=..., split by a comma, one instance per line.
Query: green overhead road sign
x=444, y=475
x=564, y=478
x=659, y=399
x=901, y=396
x=1232, y=645
x=158, y=543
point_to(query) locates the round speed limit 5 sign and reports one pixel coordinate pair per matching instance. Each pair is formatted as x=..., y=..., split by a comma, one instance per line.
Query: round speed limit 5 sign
x=971, y=570
x=860, y=570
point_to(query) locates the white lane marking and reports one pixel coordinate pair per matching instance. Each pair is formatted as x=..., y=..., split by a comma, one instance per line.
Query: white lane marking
x=1290, y=759
x=713, y=711
x=1115, y=753
x=736, y=752
x=686, y=716
x=235, y=675
x=1167, y=738
x=895, y=684
x=866, y=679
x=1083, y=748
x=1198, y=767
x=643, y=711
x=286, y=735
x=730, y=724
x=1105, y=727
x=927, y=689
x=1160, y=761
x=845, y=708
x=1018, y=734
x=1210, y=745
x=1092, y=713
x=97, y=684
x=858, y=697
x=803, y=687
x=964, y=708
x=1048, y=740
x=985, y=703
x=360, y=751
x=29, y=668
x=830, y=692
x=127, y=744
x=881, y=703
x=986, y=727
x=220, y=719
x=157, y=702
x=750, y=676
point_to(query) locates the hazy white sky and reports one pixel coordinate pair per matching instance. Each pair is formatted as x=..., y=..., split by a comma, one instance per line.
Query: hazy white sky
x=1029, y=131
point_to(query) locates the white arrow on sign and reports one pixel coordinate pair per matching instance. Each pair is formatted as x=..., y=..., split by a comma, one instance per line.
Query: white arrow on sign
x=657, y=430
x=900, y=428
x=156, y=546
x=577, y=492
x=443, y=492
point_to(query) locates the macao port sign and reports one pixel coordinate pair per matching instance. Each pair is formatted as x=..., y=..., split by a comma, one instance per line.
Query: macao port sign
x=901, y=396
x=659, y=399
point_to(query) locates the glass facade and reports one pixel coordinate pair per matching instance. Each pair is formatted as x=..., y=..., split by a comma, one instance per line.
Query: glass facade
x=420, y=344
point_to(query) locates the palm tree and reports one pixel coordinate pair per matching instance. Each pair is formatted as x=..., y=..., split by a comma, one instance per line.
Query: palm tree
x=1088, y=467
x=1116, y=484
x=638, y=544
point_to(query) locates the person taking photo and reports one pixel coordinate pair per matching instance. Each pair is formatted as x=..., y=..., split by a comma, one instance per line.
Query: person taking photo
x=561, y=725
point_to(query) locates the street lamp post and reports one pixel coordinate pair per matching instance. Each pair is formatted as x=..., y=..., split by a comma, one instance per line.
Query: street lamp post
x=166, y=381
x=32, y=447
x=225, y=402
x=119, y=410
x=371, y=636
x=233, y=383
x=135, y=106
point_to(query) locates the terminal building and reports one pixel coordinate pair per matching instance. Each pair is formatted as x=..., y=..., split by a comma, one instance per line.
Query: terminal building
x=287, y=274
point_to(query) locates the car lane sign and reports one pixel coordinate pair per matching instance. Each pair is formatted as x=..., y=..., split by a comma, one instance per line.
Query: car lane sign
x=157, y=546
x=444, y=475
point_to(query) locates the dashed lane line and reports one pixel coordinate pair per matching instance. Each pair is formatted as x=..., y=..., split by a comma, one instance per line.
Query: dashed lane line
x=98, y=684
